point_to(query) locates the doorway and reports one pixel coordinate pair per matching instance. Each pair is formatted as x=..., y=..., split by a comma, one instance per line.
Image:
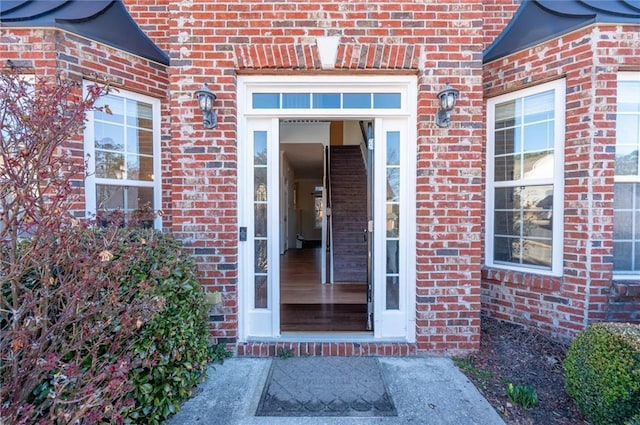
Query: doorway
x=268, y=227
x=324, y=271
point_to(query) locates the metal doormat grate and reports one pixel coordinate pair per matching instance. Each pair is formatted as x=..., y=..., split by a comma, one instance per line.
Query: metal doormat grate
x=325, y=386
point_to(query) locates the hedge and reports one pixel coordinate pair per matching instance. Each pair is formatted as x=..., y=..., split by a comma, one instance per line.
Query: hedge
x=602, y=372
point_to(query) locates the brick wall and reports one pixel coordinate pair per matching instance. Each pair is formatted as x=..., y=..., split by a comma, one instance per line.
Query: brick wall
x=440, y=41
x=589, y=59
x=50, y=52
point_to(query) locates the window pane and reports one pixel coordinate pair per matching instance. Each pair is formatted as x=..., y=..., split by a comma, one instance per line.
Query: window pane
x=505, y=141
x=260, y=300
x=393, y=220
x=393, y=148
x=109, y=198
x=508, y=114
x=393, y=293
x=296, y=100
x=536, y=252
x=266, y=100
x=113, y=109
x=392, y=257
x=356, y=100
x=139, y=141
x=506, y=168
x=139, y=114
x=503, y=248
x=538, y=165
x=626, y=160
x=523, y=230
x=626, y=227
x=536, y=197
x=260, y=147
x=622, y=256
x=538, y=107
x=622, y=224
x=326, y=100
x=261, y=262
x=139, y=197
x=386, y=100
x=260, y=219
x=393, y=184
x=623, y=195
x=537, y=224
x=109, y=165
x=507, y=223
x=260, y=183
x=538, y=136
x=140, y=168
x=629, y=95
x=504, y=198
x=109, y=136
x=628, y=128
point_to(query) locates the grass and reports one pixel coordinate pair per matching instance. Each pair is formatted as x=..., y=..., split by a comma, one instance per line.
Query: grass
x=481, y=376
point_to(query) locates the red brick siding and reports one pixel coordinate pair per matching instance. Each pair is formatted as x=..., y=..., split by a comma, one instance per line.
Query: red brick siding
x=589, y=59
x=212, y=41
x=51, y=52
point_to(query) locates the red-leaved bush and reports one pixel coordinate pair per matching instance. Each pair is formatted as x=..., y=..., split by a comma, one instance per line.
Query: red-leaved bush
x=69, y=314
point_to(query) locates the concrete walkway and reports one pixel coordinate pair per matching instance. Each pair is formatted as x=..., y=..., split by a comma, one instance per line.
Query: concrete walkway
x=425, y=390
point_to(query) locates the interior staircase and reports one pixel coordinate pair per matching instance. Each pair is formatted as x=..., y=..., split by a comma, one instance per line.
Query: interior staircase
x=349, y=213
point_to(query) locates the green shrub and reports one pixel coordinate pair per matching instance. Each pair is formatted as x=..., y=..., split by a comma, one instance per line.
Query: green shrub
x=602, y=372
x=125, y=318
x=634, y=421
x=174, y=345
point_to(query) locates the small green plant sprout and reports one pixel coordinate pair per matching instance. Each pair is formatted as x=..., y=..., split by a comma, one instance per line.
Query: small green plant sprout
x=524, y=395
x=285, y=353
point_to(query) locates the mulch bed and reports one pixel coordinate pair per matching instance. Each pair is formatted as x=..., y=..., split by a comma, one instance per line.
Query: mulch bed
x=511, y=353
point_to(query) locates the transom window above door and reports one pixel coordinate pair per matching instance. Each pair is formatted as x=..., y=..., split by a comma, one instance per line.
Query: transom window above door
x=326, y=101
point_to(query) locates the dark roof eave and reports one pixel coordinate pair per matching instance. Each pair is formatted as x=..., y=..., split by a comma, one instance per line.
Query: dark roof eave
x=525, y=29
x=91, y=20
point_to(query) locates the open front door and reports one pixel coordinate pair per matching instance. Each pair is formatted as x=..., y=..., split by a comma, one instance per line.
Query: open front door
x=260, y=227
x=394, y=237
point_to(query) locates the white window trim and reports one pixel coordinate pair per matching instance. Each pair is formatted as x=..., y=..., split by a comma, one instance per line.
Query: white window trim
x=626, y=76
x=89, y=150
x=558, y=181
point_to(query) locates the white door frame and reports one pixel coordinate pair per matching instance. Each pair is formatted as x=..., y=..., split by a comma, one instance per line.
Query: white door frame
x=264, y=323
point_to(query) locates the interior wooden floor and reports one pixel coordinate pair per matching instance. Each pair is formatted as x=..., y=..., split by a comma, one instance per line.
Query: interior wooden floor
x=306, y=305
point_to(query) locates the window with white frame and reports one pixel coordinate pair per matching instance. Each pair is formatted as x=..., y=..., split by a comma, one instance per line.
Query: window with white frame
x=122, y=143
x=525, y=140
x=626, y=215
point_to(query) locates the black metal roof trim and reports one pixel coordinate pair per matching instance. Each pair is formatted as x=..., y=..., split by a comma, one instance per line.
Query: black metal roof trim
x=537, y=21
x=105, y=21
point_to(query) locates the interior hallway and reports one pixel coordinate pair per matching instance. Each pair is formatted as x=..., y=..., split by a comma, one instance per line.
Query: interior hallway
x=306, y=305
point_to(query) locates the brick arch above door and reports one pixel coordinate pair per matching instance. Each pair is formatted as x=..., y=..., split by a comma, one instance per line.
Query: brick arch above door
x=307, y=56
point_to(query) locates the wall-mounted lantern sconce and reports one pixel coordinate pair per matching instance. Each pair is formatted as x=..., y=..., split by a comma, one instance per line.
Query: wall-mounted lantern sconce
x=205, y=101
x=447, y=98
